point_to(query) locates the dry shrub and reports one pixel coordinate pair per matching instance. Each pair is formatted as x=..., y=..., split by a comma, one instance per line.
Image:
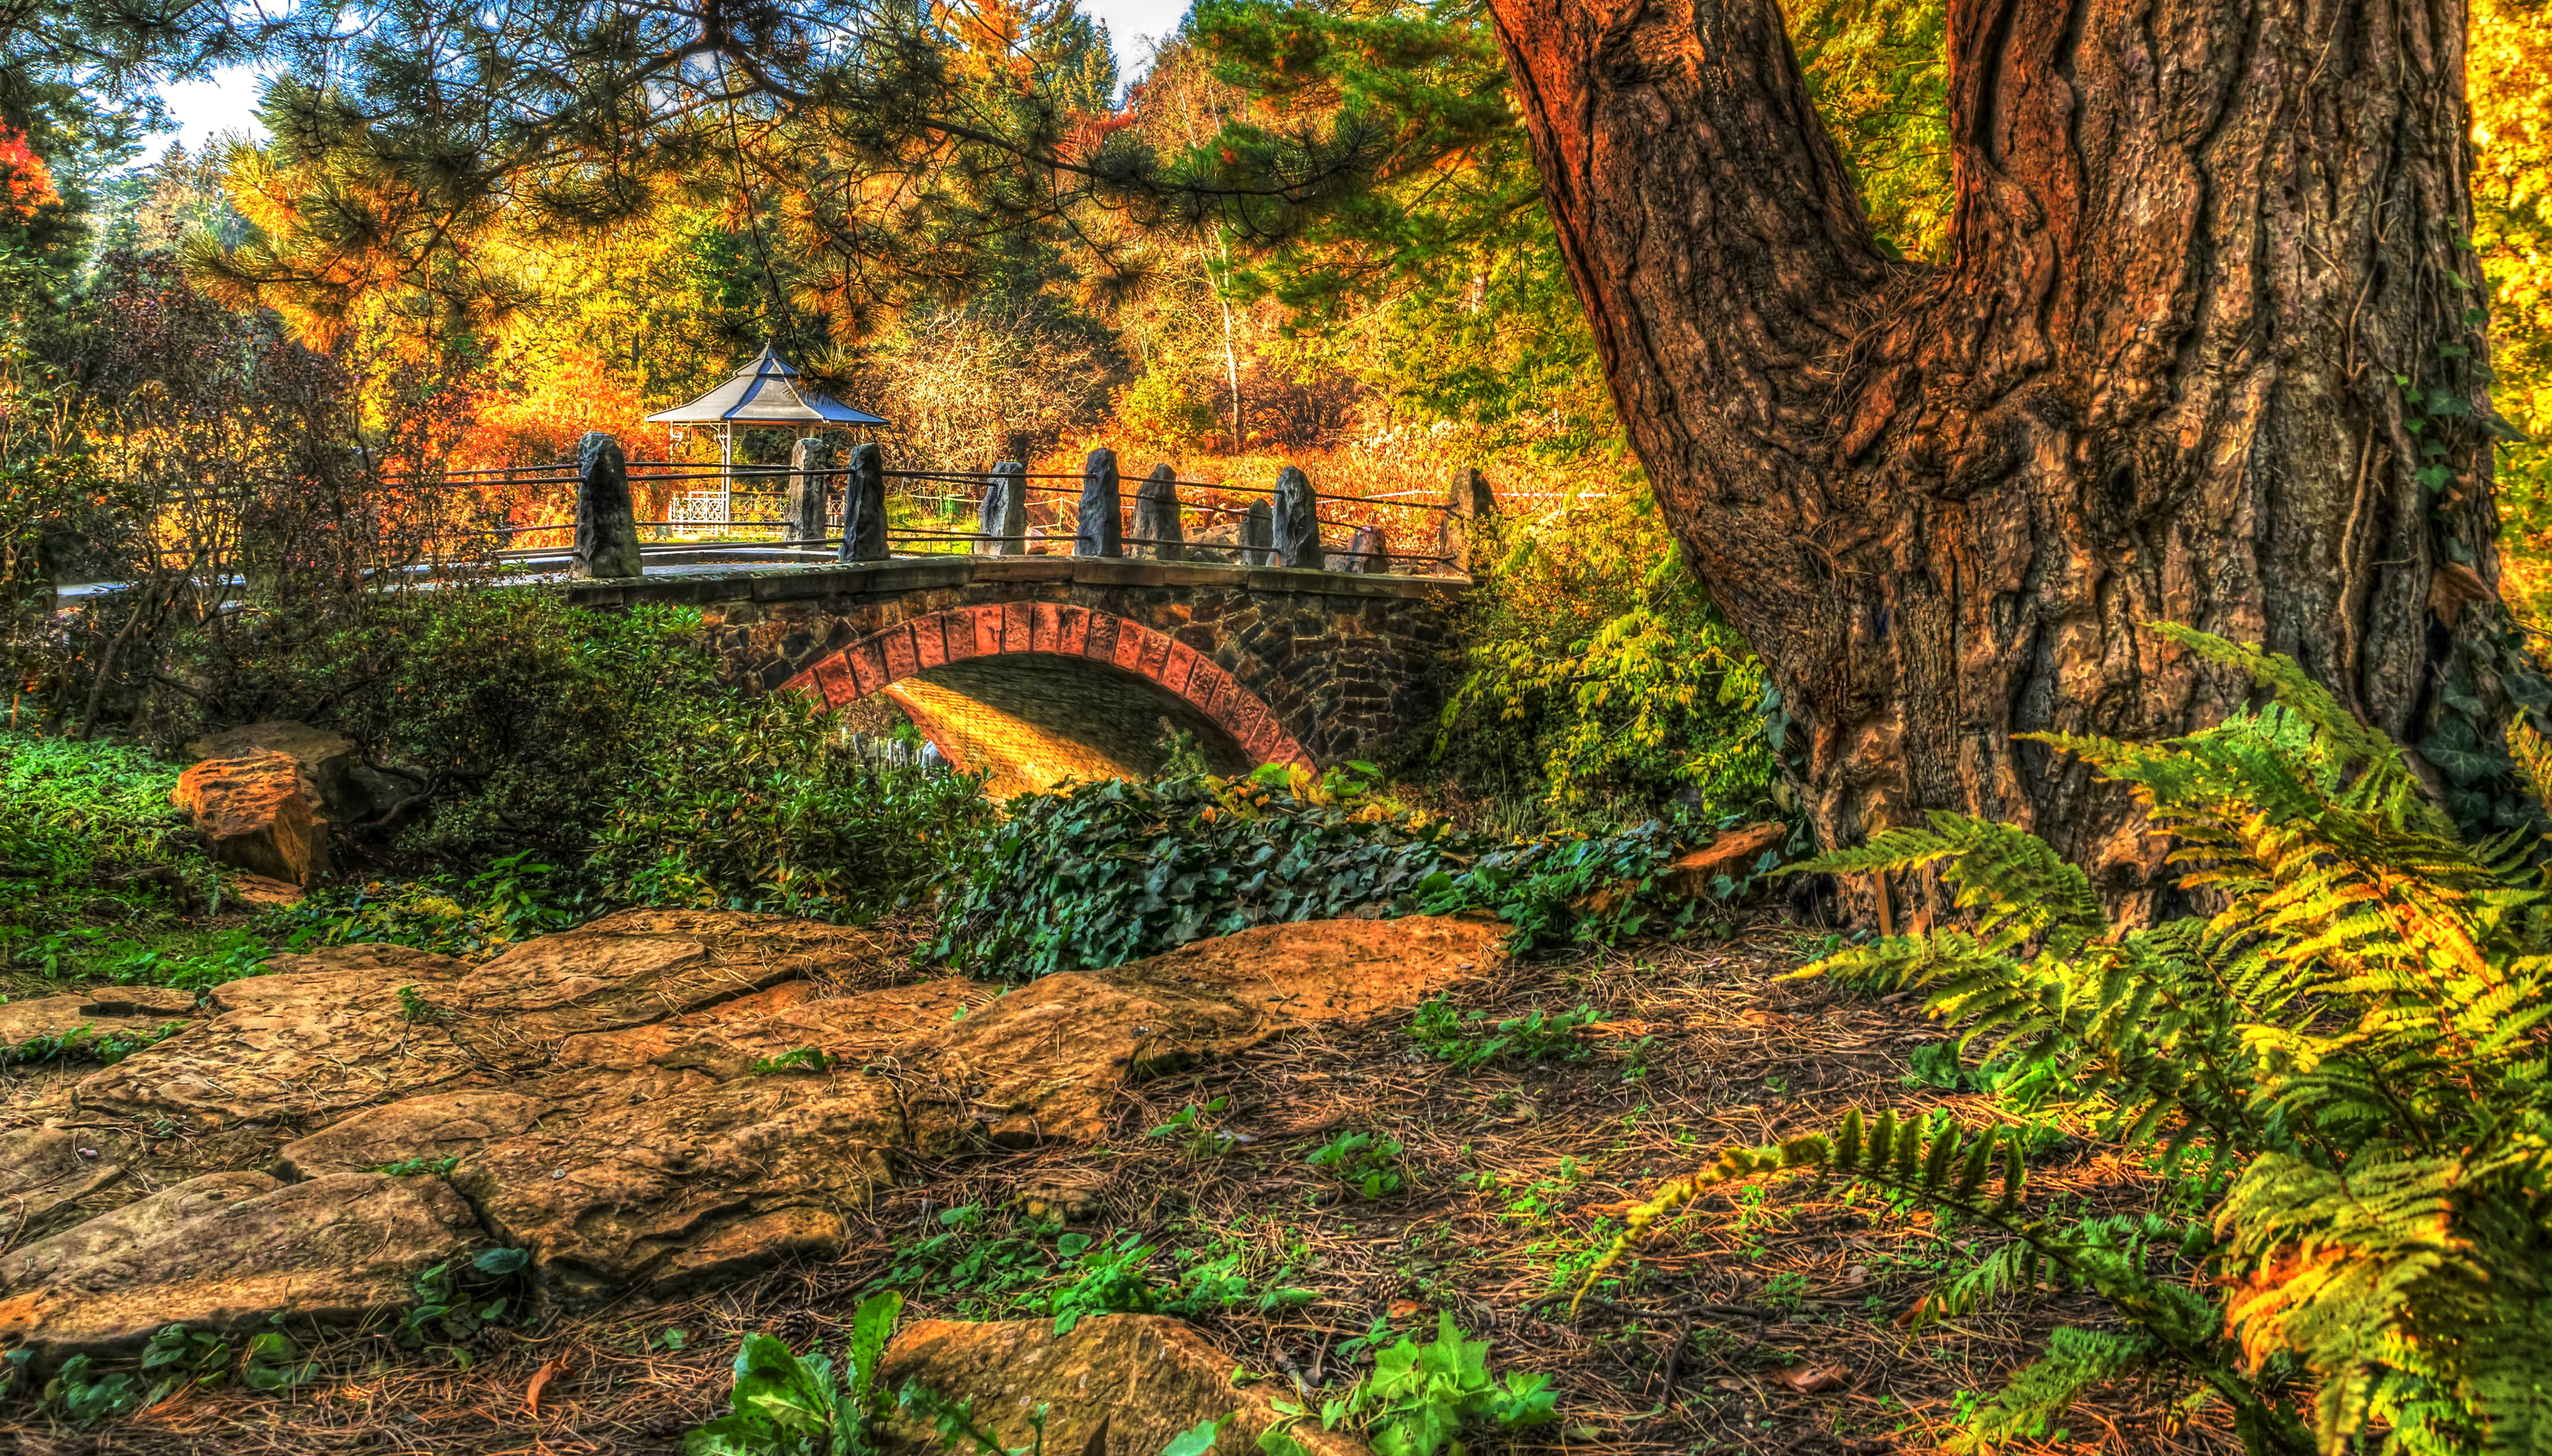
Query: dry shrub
x=965, y=387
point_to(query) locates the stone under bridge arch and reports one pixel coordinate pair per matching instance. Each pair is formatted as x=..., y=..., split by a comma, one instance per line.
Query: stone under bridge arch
x=1270, y=663
x=1058, y=659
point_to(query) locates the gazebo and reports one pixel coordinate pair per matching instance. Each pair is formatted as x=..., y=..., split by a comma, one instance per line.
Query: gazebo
x=766, y=394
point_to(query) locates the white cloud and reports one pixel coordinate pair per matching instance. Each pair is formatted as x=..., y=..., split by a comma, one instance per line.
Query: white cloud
x=224, y=102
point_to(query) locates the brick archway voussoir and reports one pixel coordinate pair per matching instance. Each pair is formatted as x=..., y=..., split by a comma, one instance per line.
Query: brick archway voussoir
x=1008, y=628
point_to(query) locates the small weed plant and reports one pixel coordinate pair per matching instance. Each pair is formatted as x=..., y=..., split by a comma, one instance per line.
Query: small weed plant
x=796, y=1059
x=1362, y=1161
x=413, y=1167
x=413, y=1006
x=454, y=1301
x=1193, y=1127
x=82, y=1394
x=85, y=1043
x=2342, y=1069
x=1419, y=1399
x=1468, y=1040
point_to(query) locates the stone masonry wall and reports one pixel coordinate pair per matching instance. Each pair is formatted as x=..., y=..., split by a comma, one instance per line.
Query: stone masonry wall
x=1324, y=665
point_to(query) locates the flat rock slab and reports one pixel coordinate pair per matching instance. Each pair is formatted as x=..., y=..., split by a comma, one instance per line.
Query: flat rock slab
x=1117, y=1385
x=435, y=1127
x=332, y=1251
x=300, y=1042
x=43, y=1168
x=1330, y=970
x=44, y=1261
x=140, y=1000
x=672, y=1192
x=351, y=1026
x=46, y=1016
x=623, y=1101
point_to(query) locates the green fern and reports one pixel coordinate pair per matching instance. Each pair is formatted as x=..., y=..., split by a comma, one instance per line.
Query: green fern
x=2041, y=1392
x=2355, y=1040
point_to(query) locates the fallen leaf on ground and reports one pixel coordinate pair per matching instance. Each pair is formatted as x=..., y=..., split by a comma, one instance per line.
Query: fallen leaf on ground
x=1807, y=1379
x=540, y=1377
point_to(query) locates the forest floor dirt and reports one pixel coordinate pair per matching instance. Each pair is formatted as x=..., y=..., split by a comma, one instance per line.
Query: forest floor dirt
x=1764, y=1323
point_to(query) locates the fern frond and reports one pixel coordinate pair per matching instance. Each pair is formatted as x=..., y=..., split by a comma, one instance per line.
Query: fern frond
x=2041, y=1392
x=2297, y=693
x=1734, y=1164
x=2016, y=882
x=2533, y=756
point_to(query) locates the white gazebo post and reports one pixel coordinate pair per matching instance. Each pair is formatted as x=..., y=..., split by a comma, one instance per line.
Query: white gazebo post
x=727, y=473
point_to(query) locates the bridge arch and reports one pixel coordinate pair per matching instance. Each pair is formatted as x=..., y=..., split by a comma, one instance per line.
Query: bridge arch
x=1051, y=630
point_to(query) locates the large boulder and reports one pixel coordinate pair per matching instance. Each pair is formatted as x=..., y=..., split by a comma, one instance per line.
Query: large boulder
x=330, y=1251
x=1117, y=1385
x=258, y=813
x=326, y=760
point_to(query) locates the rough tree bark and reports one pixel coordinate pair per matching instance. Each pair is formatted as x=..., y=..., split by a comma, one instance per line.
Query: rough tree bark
x=2198, y=245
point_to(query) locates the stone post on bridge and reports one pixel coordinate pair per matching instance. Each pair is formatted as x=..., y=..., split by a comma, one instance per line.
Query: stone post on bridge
x=1296, y=521
x=607, y=527
x=1003, y=520
x=863, y=507
x=1470, y=508
x=811, y=462
x=1369, y=552
x=1102, y=532
x=1156, y=515
x=1257, y=536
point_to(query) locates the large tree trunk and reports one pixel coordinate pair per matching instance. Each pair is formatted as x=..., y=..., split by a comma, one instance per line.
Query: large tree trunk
x=2199, y=244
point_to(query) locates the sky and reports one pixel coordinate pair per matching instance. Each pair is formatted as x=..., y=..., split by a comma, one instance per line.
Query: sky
x=227, y=101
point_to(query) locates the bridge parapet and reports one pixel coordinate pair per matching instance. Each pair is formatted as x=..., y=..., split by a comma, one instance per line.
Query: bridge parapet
x=1291, y=665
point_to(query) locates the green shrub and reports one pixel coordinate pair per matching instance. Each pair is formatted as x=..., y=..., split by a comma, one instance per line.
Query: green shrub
x=90, y=824
x=512, y=898
x=514, y=716
x=1097, y=875
x=602, y=743
x=758, y=804
x=2344, y=1066
x=1159, y=412
x=1601, y=684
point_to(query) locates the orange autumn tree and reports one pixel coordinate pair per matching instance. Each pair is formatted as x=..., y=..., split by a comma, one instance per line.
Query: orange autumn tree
x=31, y=206
x=562, y=396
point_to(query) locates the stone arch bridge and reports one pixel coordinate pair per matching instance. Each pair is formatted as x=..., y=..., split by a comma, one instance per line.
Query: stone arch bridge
x=1029, y=668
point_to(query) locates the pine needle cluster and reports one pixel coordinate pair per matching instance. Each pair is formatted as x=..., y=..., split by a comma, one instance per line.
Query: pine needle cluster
x=2348, y=1057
